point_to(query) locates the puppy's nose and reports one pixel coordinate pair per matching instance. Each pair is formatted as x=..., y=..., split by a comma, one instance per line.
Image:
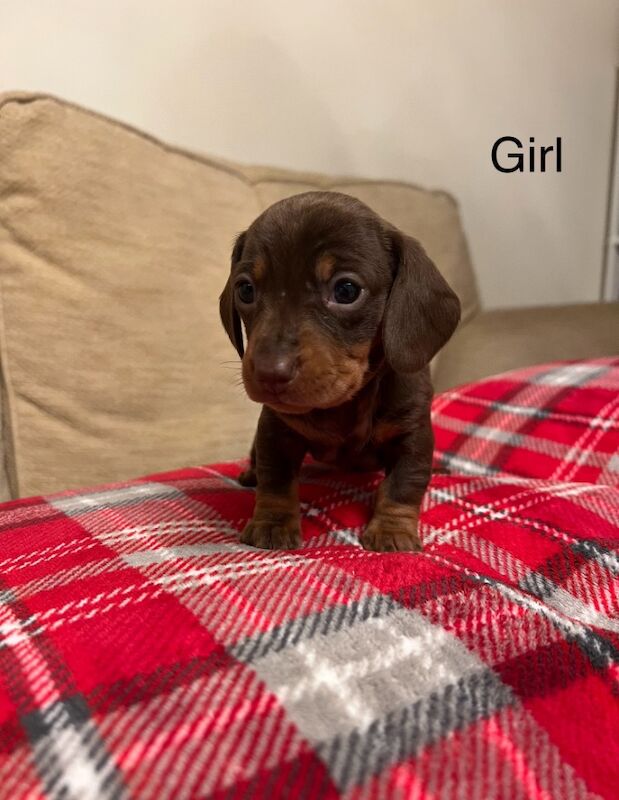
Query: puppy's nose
x=275, y=372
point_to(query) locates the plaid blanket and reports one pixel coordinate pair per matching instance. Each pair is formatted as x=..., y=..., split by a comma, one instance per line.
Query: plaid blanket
x=145, y=653
x=557, y=422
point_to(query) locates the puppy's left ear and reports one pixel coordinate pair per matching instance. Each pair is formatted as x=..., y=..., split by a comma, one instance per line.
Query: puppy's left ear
x=422, y=311
x=229, y=315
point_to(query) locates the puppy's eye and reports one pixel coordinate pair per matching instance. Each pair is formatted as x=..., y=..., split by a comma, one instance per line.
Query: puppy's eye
x=245, y=292
x=345, y=291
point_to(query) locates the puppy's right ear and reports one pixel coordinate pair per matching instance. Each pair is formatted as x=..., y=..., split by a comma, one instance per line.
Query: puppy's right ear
x=229, y=315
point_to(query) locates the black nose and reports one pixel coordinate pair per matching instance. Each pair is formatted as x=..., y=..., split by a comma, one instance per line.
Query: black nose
x=274, y=372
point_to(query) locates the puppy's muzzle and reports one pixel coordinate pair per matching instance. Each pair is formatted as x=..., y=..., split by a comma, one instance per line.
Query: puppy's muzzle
x=274, y=369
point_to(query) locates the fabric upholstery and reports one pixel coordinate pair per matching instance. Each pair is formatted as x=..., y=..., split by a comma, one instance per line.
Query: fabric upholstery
x=147, y=654
x=113, y=250
x=510, y=338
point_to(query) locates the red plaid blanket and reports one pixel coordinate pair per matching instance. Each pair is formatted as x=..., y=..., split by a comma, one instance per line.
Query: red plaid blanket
x=554, y=421
x=145, y=653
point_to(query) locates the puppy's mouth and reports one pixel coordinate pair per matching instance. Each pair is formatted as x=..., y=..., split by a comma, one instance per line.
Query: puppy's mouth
x=278, y=400
x=301, y=396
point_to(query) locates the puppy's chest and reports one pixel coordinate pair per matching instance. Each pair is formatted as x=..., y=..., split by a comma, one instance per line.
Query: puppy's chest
x=352, y=441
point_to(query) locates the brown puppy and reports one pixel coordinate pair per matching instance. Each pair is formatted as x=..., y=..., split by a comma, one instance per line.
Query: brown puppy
x=343, y=313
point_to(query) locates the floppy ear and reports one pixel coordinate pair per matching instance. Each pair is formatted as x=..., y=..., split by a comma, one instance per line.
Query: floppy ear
x=229, y=315
x=422, y=311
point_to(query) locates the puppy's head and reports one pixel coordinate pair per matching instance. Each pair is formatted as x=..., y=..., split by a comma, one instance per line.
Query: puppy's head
x=327, y=291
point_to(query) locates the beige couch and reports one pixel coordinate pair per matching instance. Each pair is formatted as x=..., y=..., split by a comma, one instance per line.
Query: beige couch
x=113, y=250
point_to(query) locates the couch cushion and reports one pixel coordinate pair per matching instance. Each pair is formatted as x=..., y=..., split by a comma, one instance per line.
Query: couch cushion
x=113, y=251
x=505, y=339
x=148, y=654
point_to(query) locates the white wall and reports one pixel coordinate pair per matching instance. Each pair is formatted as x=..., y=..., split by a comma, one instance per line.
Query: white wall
x=407, y=89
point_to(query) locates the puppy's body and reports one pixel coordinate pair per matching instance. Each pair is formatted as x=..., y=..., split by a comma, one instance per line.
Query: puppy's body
x=343, y=314
x=359, y=434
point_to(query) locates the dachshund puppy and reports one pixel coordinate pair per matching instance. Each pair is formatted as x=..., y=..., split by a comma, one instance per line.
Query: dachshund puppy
x=342, y=313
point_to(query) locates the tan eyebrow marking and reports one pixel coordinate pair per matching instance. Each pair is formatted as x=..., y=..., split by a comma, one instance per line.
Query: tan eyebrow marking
x=259, y=268
x=325, y=267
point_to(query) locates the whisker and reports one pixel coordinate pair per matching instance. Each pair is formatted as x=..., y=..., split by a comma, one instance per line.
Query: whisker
x=236, y=382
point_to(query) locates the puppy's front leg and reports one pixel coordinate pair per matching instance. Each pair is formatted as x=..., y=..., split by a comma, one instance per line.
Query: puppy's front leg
x=394, y=525
x=248, y=476
x=276, y=523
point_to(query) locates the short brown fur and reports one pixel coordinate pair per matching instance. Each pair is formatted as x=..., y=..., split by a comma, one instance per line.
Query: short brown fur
x=347, y=382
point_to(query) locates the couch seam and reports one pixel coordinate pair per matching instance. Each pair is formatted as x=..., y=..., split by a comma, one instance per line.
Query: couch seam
x=8, y=98
x=8, y=396
x=352, y=181
x=24, y=99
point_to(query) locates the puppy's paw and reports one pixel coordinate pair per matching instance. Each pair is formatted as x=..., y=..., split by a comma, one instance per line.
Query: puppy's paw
x=385, y=534
x=248, y=477
x=277, y=532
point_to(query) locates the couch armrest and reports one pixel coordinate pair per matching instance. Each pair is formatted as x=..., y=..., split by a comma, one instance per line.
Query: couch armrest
x=496, y=341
